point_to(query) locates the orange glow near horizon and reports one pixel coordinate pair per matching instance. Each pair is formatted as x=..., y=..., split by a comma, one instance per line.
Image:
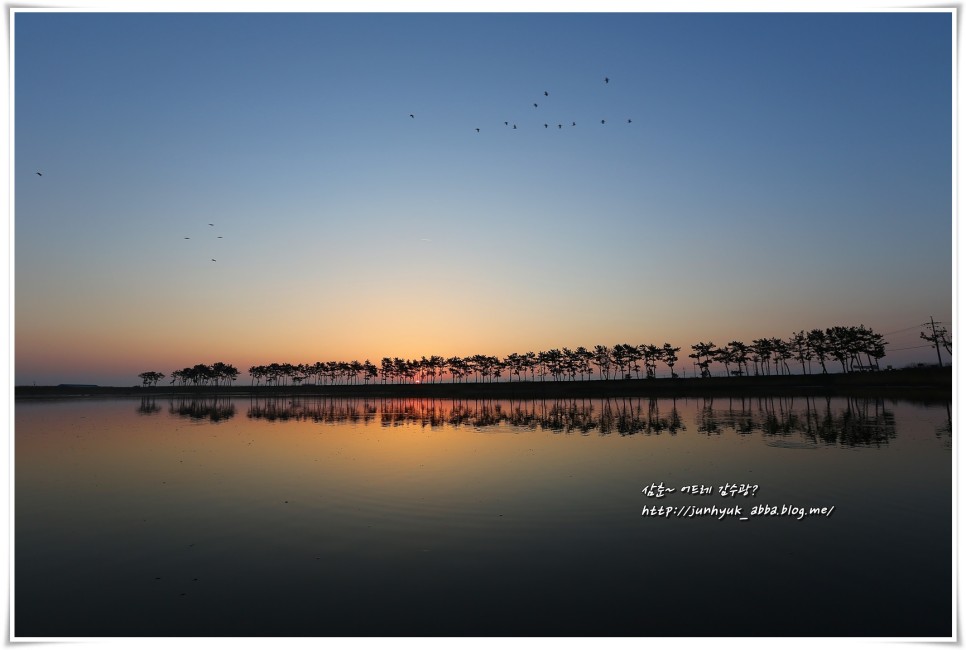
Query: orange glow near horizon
x=116, y=351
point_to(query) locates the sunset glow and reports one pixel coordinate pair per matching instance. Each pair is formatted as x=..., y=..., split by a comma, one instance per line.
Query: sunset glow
x=757, y=175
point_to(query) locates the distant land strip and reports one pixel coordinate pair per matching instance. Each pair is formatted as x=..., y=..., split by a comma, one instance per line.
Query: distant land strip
x=926, y=383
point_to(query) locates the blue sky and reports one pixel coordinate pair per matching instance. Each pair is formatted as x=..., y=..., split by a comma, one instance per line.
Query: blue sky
x=780, y=172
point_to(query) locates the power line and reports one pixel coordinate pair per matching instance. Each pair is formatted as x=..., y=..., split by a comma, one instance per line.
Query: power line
x=906, y=329
x=915, y=347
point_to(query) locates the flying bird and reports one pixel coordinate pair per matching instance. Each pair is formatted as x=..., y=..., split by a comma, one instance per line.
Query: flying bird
x=602, y=121
x=412, y=116
x=477, y=130
x=546, y=94
x=213, y=259
x=220, y=237
x=39, y=174
x=211, y=224
x=187, y=237
x=628, y=120
x=606, y=80
x=573, y=124
x=514, y=126
x=534, y=105
x=560, y=126
x=507, y=123
x=544, y=126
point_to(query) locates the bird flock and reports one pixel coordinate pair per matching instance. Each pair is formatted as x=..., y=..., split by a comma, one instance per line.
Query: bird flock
x=546, y=125
x=39, y=173
x=508, y=124
x=216, y=237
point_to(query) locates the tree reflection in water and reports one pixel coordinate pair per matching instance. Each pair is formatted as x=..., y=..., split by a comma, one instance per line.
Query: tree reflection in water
x=148, y=406
x=213, y=409
x=622, y=416
x=847, y=421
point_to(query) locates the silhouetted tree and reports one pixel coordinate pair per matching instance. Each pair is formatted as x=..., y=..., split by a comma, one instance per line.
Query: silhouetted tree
x=669, y=354
x=762, y=349
x=223, y=372
x=725, y=356
x=585, y=359
x=703, y=355
x=625, y=357
x=387, y=369
x=151, y=377
x=782, y=353
x=866, y=342
x=846, y=344
x=602, y=359
x=739, y=353
x=818, y=343
x=370, y=371
x=457, y=368
x=530, y=363
x=838, y=339
x=513, y=363
x=799, y=345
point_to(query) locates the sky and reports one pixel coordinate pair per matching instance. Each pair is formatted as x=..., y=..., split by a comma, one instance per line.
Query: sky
x=715, y=177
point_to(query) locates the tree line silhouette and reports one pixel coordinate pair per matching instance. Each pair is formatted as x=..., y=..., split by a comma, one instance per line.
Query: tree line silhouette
x=854, y=348
x=217, y=374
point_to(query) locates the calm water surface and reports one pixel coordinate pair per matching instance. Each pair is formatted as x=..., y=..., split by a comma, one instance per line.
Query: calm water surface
x=316, y=517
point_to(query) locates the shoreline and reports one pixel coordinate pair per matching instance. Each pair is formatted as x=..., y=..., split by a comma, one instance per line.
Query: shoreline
x=927, y=383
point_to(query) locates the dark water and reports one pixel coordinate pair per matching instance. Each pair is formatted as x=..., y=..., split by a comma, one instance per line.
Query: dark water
x=312, y=517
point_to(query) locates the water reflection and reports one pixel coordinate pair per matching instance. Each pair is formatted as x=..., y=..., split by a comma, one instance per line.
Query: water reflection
x=945, y=430
x=624, y=417
x=852, y=421
x=148, y=406
x=283, y=409
x=212, y=409
x=301, y=516
x=849, y=421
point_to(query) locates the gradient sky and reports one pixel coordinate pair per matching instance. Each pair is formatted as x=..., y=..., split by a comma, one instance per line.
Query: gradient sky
x=780, y=172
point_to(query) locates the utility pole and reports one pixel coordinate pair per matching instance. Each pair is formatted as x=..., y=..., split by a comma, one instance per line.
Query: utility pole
x=935, y=339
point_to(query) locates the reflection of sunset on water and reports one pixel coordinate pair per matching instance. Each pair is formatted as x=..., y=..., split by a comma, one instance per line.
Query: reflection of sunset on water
x=326, y=504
